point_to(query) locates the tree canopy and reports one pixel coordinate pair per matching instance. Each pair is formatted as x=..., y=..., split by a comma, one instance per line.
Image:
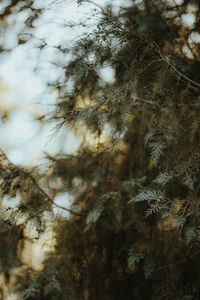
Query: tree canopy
x=134, y=225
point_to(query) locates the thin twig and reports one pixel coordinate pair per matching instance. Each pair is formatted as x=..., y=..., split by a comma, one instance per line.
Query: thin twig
x=185, y=209
x=50, y=199
x=41, y=190
x=158, y=50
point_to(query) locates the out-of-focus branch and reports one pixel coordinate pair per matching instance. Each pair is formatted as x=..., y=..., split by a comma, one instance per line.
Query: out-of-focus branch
x=158, y=50
x=39, y=187
x=49, y=198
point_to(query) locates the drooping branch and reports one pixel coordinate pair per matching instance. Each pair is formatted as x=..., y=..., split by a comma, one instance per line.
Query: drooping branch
x=50, y=199
x=27, y=174
x=158, y=50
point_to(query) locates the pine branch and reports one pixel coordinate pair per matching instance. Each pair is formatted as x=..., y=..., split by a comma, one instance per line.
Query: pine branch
x=158, y=50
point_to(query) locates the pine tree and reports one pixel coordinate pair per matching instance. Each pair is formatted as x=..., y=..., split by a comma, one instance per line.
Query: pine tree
x=133, y=230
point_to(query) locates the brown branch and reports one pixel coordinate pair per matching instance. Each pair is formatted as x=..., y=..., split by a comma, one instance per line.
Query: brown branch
x=50, y=199
x=41, y=190
x=158, y=50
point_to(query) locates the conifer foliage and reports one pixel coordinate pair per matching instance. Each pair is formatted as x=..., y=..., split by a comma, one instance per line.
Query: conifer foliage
x=134, y=225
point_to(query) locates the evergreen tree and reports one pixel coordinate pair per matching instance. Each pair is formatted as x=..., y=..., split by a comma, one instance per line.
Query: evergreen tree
x=133, y=230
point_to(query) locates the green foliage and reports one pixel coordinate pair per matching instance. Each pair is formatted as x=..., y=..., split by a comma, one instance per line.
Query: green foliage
x=53, y=284
x=191, y=234
x=156, y=151
x=47, y=284
x=93, y=217
x=149, y=268
x=30, y=290
x=163, y=178
x=134, y=257
x=147, y=195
